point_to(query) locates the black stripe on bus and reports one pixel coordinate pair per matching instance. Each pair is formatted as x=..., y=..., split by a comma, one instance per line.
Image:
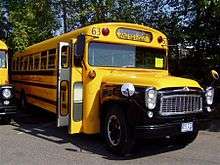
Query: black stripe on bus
x=37, y=84
x=39, y=72
x=42, y=99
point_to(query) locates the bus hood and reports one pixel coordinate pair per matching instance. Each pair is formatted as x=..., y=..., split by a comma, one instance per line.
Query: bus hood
x=3, y=76
x=158, y=80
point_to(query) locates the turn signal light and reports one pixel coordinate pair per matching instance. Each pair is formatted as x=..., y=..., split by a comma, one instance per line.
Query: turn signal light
x=105, y=31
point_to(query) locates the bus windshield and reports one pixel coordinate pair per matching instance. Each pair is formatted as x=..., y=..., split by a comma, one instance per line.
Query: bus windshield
x=3, y=59
x=117, y=55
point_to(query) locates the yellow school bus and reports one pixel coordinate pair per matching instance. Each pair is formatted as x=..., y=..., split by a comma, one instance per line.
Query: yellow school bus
x=7, y=99
x=113, y=79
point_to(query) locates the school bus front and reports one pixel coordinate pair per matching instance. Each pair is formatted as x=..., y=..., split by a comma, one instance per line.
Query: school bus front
x=7, y=100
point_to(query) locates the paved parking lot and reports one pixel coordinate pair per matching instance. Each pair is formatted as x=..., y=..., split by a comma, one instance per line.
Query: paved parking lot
x=34, y=139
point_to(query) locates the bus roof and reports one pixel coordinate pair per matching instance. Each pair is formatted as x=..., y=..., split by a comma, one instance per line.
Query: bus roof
x=3, y=46
x=66, y=37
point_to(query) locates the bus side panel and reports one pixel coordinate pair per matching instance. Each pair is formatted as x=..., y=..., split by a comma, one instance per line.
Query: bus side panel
x=39, y=90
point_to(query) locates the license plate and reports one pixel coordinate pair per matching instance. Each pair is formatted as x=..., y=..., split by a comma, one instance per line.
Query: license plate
x=187, y=127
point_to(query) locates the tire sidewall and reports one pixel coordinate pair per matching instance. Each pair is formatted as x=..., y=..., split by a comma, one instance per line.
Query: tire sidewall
x=126, y=141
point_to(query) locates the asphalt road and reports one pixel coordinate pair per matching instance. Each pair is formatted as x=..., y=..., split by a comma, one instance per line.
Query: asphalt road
x=34, y=139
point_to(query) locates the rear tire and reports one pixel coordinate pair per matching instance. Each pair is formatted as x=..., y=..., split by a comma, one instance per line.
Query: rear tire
x=117, y=132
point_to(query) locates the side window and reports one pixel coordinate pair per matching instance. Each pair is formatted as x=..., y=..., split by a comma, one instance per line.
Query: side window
x=30, y=67
x=36, y=62
x=65, y=56
x=43, y=64
x=24, y=63
x=14, y=64
x=17, y=63
x=52, y=59
x=20, y=63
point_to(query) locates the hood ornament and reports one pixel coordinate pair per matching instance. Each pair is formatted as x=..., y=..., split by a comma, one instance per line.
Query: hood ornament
x=186, y=89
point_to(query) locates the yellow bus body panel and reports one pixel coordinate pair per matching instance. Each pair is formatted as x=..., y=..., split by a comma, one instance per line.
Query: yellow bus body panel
x=75, y=127
x=3, y=76
x=3, y=71
x=3, y=46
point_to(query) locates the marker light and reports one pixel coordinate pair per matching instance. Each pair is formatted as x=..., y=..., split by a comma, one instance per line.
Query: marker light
x=92, y=74
x=105, y=31
x=160, y=39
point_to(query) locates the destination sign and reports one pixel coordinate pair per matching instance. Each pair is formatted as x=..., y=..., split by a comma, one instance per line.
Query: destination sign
x=135, y=35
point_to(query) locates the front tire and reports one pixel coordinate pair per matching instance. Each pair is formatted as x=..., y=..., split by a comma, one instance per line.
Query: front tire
x=5, y=120
x=117, y=132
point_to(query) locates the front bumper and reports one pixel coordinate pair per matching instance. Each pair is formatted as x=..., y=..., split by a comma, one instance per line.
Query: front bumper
x=7, y=110
x=168, y=129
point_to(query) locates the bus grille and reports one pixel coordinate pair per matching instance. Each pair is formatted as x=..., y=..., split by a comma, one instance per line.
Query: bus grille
x=180, y=104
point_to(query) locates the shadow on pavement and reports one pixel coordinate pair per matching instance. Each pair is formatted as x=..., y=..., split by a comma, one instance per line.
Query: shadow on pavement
x=43, y=125
x=215, y=124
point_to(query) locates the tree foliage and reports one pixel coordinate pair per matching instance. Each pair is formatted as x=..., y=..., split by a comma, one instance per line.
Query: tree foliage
x=30, y=21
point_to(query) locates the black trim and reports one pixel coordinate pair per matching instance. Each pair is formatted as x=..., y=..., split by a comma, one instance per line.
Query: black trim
x=38, y=84
x=7, y=110
x=42, y=99
x=37, y=72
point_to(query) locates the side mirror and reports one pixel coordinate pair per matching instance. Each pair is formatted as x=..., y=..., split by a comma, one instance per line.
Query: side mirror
x=215, y=75
x=80, y=46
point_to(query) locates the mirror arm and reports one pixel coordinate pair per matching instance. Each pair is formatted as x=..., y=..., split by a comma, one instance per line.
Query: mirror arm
x=84, y=64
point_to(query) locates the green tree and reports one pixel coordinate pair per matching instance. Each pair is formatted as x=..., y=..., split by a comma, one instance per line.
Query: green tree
x=31, y=22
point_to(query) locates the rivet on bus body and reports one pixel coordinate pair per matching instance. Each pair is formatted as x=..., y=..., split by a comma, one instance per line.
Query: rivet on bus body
x=105, y=31
x=92, y=74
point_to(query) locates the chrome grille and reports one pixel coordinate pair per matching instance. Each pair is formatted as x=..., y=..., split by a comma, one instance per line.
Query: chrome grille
x=180, y=104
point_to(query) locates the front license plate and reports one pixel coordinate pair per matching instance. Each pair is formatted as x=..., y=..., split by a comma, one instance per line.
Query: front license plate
x=187, y=127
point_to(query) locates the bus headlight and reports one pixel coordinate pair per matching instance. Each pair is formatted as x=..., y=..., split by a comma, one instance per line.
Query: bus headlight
x=6, y=93
x=150, y=98
x=209, y=94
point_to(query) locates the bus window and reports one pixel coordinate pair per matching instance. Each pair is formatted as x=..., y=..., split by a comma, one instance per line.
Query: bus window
x=36, y=62
x=65, y=57
x=52, y=59
x=31, y=63
x=64, y=98
x=13, y=64
x=17, y=63
x=20, y=63
x=25, y=63
x=3, y=63
x=43, y=64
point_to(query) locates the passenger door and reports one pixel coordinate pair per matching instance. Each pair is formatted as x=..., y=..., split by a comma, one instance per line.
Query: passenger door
x=63, y=84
